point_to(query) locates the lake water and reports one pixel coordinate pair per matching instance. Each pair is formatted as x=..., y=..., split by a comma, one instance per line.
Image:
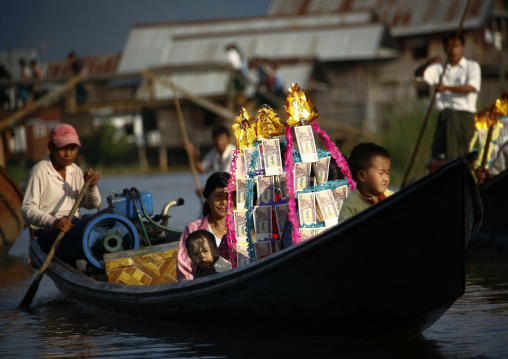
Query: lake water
x=476, y=326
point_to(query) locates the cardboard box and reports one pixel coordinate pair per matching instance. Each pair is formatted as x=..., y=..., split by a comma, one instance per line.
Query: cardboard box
x=144, y=266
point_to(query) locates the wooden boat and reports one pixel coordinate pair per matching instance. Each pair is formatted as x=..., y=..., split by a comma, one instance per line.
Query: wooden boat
x=492, y=238
x=391, y=271
x=11, y=221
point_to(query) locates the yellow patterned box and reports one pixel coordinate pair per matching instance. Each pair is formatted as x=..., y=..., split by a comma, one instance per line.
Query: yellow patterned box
x=144, y=266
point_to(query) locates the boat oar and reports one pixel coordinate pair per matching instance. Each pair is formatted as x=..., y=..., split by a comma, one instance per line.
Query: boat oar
x=184, y=135
x=30, y=294
x=431, y=105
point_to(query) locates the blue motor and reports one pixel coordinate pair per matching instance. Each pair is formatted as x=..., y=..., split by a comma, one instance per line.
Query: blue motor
x=124, y=205
x=108, y=233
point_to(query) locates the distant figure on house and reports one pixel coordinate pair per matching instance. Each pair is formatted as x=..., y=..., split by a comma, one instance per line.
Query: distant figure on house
x=455, y=97
x=37, y=89
x=77, y=68
x=219, y=158
x=239, y=65
x=4, y=75
x=204, y=253
x=24, y=89
x=370, y=167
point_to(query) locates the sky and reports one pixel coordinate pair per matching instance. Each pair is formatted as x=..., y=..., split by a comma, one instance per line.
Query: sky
x=100, y=27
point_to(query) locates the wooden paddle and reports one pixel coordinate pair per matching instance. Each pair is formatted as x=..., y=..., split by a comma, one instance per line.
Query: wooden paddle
x=185, y=138
x=30, y=294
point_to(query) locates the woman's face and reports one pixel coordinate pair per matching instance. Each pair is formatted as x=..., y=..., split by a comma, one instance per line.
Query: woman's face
x=218, y=201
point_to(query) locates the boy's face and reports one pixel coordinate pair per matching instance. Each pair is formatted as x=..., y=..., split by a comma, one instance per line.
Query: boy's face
x=201, y=254
x=64, y=156
x=221, y=141
x=375, y=180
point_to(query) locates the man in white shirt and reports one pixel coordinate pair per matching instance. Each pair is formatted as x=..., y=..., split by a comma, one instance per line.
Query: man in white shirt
x=456, y=97
x=52, y=188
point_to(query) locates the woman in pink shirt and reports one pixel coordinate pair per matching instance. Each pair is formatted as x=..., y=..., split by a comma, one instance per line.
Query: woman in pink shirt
x=213, y=220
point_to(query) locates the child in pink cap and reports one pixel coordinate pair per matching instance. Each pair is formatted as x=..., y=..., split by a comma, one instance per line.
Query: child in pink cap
x=52, y=188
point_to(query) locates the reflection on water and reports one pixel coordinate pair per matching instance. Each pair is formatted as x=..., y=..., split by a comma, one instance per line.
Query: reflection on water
x=474, y=327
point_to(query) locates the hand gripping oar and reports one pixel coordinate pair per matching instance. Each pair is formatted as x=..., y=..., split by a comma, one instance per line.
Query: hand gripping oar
x=30, y=294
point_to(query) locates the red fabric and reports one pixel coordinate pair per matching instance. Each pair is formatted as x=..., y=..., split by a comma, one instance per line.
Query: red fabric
x=370, y=199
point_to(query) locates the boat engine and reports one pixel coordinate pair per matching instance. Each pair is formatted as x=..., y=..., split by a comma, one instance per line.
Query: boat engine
x=128, y=225
x=108, y=233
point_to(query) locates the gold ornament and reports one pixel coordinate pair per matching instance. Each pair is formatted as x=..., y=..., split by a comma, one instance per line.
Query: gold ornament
x=299, y=106
x=269, y=124
x=244, y=128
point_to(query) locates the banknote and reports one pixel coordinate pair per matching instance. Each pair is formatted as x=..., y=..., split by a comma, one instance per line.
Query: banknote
x=339, y=195
x=319, y=230
x=263, y=249
x=247, y=157
x=322, y=168
x=242, y=253
x=301, y=176
x=283, y=186
x=306, y=233
x=282, y=214
x=327, y=207
x=306, y=144
x=263, y=222
x=307, y=208
x=241, y=192
x=266, y=189
x=271, y=156
x=240, y=218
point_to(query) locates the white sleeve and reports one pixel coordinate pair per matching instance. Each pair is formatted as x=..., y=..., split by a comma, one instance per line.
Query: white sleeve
x=30, y=208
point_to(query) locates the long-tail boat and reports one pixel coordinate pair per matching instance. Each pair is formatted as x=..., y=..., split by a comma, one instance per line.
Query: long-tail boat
x=11, y=221
x=391, y=271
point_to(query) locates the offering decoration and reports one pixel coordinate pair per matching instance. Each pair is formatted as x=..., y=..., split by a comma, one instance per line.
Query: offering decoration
x=487, y=120
x=269, y=129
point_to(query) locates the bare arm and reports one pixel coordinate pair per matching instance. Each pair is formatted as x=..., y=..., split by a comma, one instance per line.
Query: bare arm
x=197, y=162
x=461, y=89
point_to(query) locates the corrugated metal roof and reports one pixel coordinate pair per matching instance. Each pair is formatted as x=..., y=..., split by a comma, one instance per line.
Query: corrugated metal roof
x=95, y=65
x=404, y=17
x=327, y=44
x=150, y=45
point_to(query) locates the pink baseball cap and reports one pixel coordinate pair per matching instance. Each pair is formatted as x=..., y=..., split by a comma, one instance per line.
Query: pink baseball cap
x=62, y=135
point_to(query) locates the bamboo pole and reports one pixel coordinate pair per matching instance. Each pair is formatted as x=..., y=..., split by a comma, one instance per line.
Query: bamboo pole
x=432, y=101
x=200, y=101
x=185, y=138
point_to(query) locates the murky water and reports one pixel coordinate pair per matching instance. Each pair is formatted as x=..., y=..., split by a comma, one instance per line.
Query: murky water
x=476, y=326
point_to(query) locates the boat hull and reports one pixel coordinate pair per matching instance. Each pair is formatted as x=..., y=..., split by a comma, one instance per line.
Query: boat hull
x=492, y=238
x=11, y=221
x=390, y=272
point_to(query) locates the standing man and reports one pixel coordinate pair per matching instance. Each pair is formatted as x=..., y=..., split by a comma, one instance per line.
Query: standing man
x=455, y=97
x=218, y=158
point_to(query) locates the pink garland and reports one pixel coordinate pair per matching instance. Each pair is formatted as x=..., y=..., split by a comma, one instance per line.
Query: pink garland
x=291, y=186
x=230, y=223
x=334, y=151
